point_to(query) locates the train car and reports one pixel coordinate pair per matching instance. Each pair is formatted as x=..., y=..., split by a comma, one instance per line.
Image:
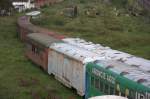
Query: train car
x=116, y=78
x=67, y=63
x=110, y=54
x=22, y=24
x=25, y=27
x=37, y=48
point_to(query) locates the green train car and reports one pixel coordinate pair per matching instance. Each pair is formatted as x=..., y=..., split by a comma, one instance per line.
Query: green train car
x=116, y=78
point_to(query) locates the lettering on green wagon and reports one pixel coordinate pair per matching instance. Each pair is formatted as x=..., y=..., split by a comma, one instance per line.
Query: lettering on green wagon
x=103, y=75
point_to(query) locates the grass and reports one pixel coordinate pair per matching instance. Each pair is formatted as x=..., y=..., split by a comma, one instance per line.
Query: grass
x=19, y=77
x=123, y=32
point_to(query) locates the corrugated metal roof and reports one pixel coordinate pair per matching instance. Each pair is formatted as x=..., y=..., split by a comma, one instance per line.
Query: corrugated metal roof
x=75, y=52
x=111, y=54
x=42, y=39
x=132, y=73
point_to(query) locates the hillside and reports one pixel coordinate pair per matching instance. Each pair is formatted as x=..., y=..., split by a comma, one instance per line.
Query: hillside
x=108, y=23
x=19, y=77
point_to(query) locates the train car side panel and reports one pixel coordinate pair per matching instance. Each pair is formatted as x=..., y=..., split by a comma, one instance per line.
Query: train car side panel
x=38, y=48
x=68, y=71
x=37, y=55
x=115, y=78
x=67, y=63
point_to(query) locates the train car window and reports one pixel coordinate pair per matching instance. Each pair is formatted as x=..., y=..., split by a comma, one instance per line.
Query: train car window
x=37, y=51
x=92, y=80
x=123, y=94
x=132, y=94
x=97, y=83
x=101, y=86
x=33, y=48
x=106, y=90
x=112, y=90
x=117, y=93
x=142, y=96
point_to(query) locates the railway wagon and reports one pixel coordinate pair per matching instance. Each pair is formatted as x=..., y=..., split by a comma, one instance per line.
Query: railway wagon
x=116, y=78
x=25, y=27
x=68, y=64
x=37, y=48
x=22, y=24
x=110, y=54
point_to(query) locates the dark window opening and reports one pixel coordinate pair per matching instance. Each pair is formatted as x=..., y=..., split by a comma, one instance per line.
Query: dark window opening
x=132, y=95
x=111, y=90
x=123, y=94
x=101, y=86
x=106, y=90
x=117, y=92
x=92, y=81
x=97, y=84
x=33, y=48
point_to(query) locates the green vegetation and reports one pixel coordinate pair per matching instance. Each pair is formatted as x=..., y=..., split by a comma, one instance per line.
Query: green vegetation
x=19, y=77
x=114, y=27
x=104, y=22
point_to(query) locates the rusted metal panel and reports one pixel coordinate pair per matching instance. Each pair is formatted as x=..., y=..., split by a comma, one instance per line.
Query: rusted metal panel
x=37, y=53
x=23, y=34
x=38, y=47
x=40, y=58
x=26, y=27
x=67, y=63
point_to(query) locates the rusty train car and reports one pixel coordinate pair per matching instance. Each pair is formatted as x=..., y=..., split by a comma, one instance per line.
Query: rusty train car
x=36, y=40
x=37, y=48
x=26, y=27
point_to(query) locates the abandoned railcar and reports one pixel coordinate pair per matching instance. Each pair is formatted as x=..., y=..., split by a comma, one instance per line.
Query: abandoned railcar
x=25, y=27
x=110, y=54
x=116, y=78
x=37, y=48
x=68, y=64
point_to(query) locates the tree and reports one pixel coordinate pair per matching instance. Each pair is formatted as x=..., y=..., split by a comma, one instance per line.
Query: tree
x=6, y=7
x=5, y=4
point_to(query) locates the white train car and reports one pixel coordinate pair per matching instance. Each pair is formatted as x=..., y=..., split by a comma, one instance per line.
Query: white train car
x=110, y=54
x=67, y=63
